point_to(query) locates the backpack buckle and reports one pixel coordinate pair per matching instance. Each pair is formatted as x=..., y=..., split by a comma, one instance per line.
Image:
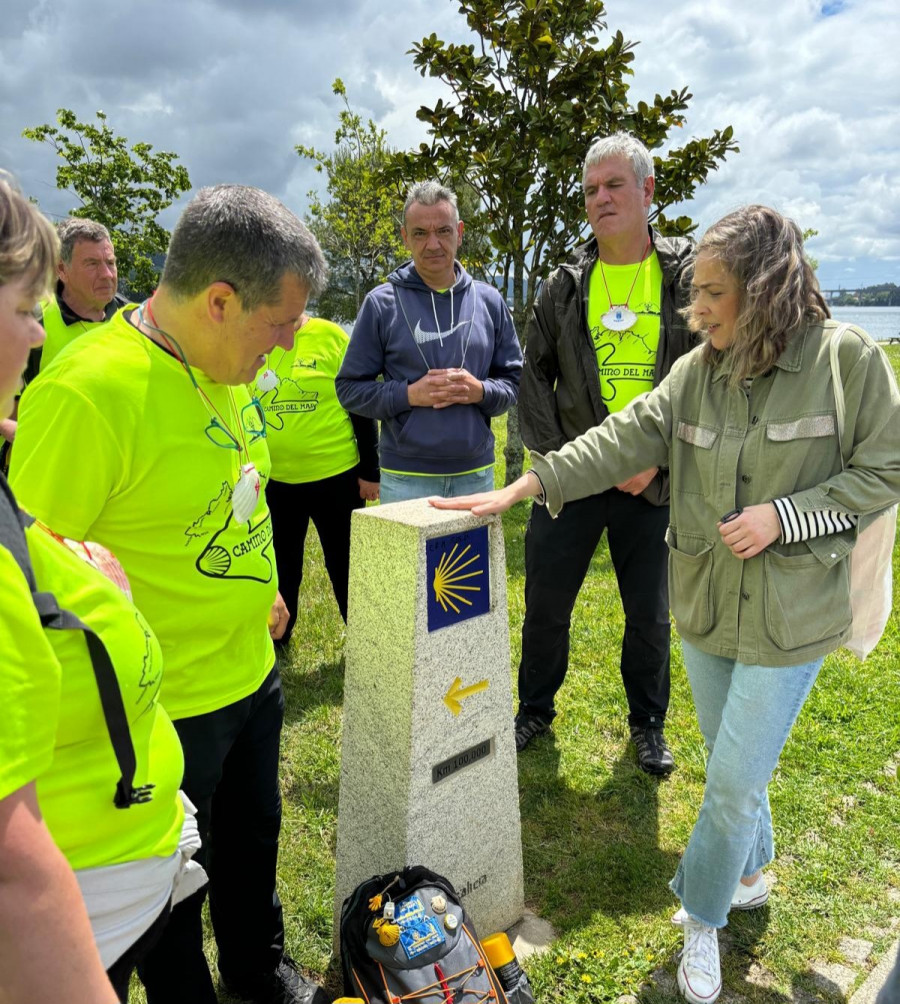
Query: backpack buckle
x=126, y=795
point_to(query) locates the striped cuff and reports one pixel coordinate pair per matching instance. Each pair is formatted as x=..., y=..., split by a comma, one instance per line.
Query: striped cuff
x=542, y=498
x=796, y=525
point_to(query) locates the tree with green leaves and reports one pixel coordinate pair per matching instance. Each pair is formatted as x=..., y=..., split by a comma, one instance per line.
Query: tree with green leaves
x=123, y=187
x=358, y=224
x=526, y=99
x=808, y=235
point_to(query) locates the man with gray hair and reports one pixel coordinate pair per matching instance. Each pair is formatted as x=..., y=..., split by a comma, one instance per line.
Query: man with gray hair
x=144, y=437
x=85, y=297
x=86, y=290
x=446, y=348
x=605, y=328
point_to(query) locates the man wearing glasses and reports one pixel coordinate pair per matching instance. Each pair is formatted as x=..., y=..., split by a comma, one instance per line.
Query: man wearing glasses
x=143, y=437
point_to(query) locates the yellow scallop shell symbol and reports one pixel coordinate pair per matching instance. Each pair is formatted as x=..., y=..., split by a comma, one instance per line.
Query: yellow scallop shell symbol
x=215, y=561
x=450, y=576
x=388, y=934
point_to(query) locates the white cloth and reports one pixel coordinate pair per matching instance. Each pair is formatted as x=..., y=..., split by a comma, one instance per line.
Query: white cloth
x=124, y=900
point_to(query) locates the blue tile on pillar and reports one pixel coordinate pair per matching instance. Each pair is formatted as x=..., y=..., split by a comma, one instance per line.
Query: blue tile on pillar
x=457, y=577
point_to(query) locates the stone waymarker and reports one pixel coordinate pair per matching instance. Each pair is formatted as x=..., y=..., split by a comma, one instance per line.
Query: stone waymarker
x=428, y=771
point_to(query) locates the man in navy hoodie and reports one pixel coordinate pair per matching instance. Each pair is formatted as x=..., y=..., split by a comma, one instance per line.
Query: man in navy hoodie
x=447, y=350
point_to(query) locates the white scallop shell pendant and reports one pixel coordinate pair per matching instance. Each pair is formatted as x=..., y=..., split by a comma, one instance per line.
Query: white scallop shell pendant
x=619, y=317
x=245, y=494
x=267, y=380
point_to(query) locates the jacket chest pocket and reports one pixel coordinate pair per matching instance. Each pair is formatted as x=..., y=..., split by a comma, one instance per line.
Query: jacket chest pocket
x=694, y=470
x=803, y=451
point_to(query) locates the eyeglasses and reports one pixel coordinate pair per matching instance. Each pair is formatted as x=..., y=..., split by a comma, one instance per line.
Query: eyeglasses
x=253, y=421
x=252, y=417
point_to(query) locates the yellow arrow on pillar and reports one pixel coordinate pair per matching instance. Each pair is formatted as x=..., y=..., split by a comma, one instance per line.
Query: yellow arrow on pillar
x=458, y=693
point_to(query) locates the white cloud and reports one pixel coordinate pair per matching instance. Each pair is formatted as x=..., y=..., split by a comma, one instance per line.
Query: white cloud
x=812, y=99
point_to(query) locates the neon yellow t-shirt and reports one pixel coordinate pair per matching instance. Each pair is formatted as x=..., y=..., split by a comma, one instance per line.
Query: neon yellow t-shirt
x=310, y=436
x=76, y=792
x=626, y=359
x=111, y=446
x=29, y=684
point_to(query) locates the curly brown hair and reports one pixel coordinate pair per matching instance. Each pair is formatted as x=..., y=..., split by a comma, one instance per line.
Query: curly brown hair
x=779, y=292
x=28, y=243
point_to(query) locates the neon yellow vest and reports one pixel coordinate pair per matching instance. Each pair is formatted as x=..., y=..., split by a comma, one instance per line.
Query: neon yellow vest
x=58, y=333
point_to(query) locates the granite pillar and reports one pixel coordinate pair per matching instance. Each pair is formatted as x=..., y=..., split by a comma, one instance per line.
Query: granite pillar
x=428, y=771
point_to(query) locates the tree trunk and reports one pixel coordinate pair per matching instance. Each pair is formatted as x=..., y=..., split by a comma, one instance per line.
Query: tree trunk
x=515, y=452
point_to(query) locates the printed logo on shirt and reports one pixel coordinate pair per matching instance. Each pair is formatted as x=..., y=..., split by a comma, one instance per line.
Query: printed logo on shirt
x=231, y=554
x=151, y=675
x=422, y=337
x=614, y=370
x=287, y=398
x=304, y=363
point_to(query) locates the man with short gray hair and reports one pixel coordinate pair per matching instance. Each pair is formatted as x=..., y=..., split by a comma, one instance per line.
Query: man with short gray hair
x=85, y=297
x=86, y=291
x=447, y=351
x=144, y=437
x=605, y=328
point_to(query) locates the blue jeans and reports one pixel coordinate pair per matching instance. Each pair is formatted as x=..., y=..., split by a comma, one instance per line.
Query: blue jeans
x=745, y=713
x=403, y=487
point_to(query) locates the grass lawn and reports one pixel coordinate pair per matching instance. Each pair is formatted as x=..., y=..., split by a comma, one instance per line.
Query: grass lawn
x=601, y=839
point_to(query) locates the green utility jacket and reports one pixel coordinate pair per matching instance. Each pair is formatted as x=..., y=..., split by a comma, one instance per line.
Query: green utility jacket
x=730, y=446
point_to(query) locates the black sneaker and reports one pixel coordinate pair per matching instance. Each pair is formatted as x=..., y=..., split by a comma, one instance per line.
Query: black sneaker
x=529, y=727
x=287, y=985
x=654, y=755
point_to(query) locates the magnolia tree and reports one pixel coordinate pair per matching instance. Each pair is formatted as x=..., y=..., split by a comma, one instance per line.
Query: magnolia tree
x=357, y=224
x=357, y=221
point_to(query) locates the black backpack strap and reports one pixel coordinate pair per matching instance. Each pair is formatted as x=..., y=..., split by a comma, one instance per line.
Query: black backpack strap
x=12, y=536
x=54, y=618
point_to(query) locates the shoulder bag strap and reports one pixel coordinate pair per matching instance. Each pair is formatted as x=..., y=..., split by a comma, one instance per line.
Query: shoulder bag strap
x=838, y=387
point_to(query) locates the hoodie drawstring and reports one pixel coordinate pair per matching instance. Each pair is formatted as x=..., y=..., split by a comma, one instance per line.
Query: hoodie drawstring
x=437, y=325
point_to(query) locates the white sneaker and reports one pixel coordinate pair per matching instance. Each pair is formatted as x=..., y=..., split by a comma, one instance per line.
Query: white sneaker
x=699, y=977
x=749, y=897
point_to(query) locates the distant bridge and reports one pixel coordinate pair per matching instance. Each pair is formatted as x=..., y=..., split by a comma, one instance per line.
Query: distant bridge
x=833, y=294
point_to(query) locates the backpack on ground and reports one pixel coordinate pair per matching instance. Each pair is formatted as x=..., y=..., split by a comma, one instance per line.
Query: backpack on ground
x=405, y=936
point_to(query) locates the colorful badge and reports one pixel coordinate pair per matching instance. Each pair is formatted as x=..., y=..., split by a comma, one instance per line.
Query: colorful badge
x=418, y=932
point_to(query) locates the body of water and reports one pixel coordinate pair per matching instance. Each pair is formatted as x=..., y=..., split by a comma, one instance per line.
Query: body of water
x=880, y=322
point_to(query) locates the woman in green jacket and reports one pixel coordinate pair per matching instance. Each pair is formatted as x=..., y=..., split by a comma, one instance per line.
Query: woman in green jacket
x=764, y=515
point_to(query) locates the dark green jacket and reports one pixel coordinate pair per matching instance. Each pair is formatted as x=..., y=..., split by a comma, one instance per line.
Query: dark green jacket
x=559, y=397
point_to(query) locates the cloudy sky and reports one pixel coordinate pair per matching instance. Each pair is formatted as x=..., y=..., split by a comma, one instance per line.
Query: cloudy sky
x=811, y=88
